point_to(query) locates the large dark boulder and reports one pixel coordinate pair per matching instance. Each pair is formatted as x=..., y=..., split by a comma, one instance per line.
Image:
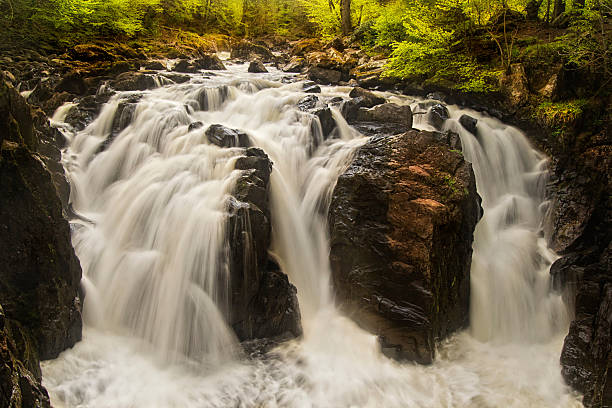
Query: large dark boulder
x=225, y=137
x=469, y=123
x=324, y=75
x=401, y=221
x=438, y=114
x=257, y=67
x=386, y=113
x=209, y=61
x=263, y=302
x=134, y=81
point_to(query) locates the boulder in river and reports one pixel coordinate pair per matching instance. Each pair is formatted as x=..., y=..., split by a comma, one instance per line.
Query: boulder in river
x=225, y=137
x=401, y=219
x=468, y=123
x=209, y=61
x=438, y=115
x=257, y=67
x=263, y=302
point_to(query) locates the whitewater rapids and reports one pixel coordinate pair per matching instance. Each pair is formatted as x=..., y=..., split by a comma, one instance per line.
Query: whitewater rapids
x=151, y=228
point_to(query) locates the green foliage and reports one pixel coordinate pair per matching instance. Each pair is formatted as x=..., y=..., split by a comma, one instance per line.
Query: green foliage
x=559, y=114
x=325, y=14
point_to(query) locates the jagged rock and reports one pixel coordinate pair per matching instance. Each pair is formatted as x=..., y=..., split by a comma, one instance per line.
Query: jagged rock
x=308, y=102
x=155, y=66
x=311, y=87
x=212, y=62
x=587, y=355
x=246, y=50
x=369, y=99
x=264, y=303
x=257, y=67
x=438, y=115
x=324, y=114
x=324, y=76
x=84, y=113
x=401, y=222
x=469, y=123
x=328, y=124
x=225, y=137
x=19, y=386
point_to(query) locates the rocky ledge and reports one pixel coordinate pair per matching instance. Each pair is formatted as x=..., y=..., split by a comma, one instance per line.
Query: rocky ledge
x=401, y=220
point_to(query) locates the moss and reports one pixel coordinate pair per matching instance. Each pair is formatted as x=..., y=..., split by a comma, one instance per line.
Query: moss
x=559, y=115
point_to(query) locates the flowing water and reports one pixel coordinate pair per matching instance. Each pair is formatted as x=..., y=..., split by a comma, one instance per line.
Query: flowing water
x=149, y=231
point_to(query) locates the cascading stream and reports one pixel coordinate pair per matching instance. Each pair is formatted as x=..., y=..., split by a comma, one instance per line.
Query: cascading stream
x=150, y=234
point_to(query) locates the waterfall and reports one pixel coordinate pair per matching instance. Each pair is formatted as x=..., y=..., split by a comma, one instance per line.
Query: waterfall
x=150, y=194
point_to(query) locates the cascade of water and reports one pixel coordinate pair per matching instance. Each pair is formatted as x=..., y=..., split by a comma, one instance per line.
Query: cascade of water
x=151, y=239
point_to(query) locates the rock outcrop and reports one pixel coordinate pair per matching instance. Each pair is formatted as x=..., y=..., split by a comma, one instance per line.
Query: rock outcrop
x=401, y=220
x=263, y=302
x=39, y=280
x=579, y=227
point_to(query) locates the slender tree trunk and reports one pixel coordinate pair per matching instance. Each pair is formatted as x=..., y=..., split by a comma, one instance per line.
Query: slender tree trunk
x=559, y=8
x=532, y=9
x=345, y=13
x=547, y=11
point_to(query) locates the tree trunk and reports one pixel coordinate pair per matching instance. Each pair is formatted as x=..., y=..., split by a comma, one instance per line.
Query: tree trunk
x=345, y=12
x=559, y=8
x=532, y=9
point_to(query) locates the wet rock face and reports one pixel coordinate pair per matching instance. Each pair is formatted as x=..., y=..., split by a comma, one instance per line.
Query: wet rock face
x=263, y=302
x=587, y=356
x=40, y=313
x=401, y=221
x=19, y=386
x=40, y=278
